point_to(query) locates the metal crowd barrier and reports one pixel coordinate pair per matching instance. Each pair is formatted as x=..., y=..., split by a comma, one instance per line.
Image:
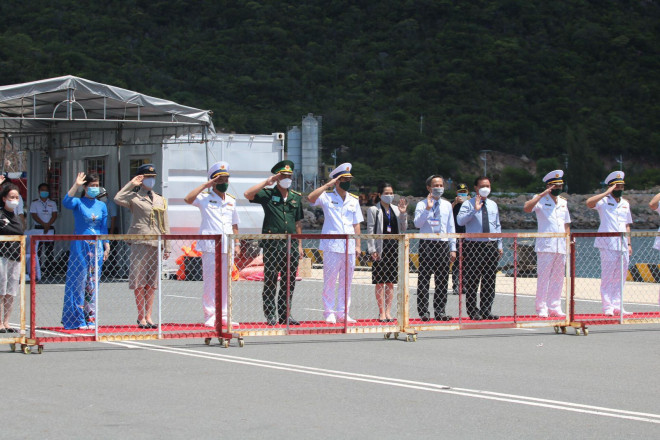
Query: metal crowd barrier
x=83, y=296
x=331, y=289
x=12, y=301
x=609, y=285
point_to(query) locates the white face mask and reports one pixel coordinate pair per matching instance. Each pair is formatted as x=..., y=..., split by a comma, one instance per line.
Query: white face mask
x=11, y=204
x=484, y=192
x=387, y=198
x=285, y=183
x=437, y=192
x=149, y=182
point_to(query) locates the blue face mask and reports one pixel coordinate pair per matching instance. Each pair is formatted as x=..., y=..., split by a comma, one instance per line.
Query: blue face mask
x=44, y=194
x=93, y=191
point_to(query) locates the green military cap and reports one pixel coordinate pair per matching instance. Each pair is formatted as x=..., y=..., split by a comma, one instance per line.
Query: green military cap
x=284, y=167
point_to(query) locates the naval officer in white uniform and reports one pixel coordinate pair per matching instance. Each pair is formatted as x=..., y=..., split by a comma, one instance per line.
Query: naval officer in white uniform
x=219, y=216
x=343, y=215
x=552, y=216
x=614, y=213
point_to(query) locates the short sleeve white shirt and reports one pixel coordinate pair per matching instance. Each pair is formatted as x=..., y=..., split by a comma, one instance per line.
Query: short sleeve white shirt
x=551, y=218
x=218, y=216
x=44, y=210
x=614, y=217
x=340, y=217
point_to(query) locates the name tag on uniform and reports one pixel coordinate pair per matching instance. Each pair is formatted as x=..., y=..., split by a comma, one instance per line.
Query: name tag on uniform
x=434, y=222
x=276, y=198
x=389, y=228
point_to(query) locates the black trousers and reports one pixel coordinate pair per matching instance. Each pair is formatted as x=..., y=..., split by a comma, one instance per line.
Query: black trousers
x=480, y=260
x=275, y=261
x=433, y=260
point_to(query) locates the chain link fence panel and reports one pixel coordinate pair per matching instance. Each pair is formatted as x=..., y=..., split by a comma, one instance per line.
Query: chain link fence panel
x=289, y=285
x=615, y=284
x=12, y=291
x=145, y=287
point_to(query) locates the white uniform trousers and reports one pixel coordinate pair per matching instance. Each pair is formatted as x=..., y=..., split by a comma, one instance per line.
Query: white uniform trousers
x=208, y=300
x=550, y=269
x=335, y=270
x=610, y=278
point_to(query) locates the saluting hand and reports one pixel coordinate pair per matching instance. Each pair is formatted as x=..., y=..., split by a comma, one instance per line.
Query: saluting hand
x=331, y=183
x=211, y=183
x=80, y=179
x=272, y=180
x=137, y=180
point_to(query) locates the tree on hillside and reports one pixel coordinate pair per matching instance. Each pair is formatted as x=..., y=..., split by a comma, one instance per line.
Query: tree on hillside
x=585, y=169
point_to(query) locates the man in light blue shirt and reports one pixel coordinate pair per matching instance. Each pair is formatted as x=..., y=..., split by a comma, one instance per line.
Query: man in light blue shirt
x=434, y=215
x=480, y=255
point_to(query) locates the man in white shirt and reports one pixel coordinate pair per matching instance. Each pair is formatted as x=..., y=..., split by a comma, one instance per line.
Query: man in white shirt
x=552, y=216
x=343, y=215
x=615, y=252
x=219, y=216
x=434, y=215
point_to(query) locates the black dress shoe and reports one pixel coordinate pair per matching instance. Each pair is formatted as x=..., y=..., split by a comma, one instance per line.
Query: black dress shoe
x=425, y=317
x=442, y=317
x=142, y=325
x=152, y=325
x=270, y=320
x=292, y=321
x=491, y=317
x=476, y=317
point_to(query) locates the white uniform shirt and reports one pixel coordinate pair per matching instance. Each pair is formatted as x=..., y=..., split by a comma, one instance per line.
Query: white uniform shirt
x=44, y=210
x=218, y=216
x=657, y=239
x=551, y=217
x=614, y=217
x=426, y=220
x=340, y=216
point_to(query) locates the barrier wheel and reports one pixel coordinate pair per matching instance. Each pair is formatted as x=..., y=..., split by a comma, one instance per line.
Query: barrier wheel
x=12, y=347
x=241, y=342
x=387, y=335
x=586, y=332
x=409, y=338
x=414, y=338
x=224, y=343
x=25, y=349
x=396, y=335
x=40, y=349
x=563, y=330
x=207, y=341
x=577, y=332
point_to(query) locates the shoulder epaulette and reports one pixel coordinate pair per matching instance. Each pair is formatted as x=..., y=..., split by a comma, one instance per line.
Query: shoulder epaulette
x=35, y=200
x=351, y=194
x=231, y=195
x=295, y=192
x=561, y=197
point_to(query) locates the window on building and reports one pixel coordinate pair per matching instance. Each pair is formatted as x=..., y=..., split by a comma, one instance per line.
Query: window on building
x=137, y=162
x=96, y=165
x=54, y=180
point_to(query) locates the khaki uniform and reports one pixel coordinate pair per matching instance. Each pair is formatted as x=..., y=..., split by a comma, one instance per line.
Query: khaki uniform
x=149, y=217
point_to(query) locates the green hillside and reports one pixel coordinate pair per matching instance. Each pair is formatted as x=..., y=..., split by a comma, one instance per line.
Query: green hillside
x=406, y=87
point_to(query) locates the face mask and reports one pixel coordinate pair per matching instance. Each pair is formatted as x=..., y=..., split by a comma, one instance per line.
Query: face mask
x=555, y=192
x=93, y=191
x=437, y=192
x=11, y=204
x=483, y=192
x=285, y=183
x=345, y=185
x=149, y=182
x=387, y=198
x=222, y=187
x=617, y=193
x=43, y=194
x=462, y=195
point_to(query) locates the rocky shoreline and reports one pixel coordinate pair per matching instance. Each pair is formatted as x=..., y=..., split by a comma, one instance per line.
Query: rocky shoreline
x=513, y=217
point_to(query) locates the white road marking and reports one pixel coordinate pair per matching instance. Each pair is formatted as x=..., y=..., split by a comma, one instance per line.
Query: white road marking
x=423, y=386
